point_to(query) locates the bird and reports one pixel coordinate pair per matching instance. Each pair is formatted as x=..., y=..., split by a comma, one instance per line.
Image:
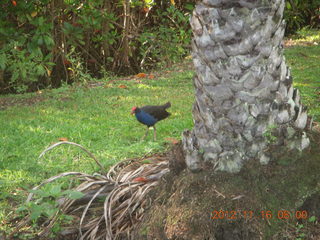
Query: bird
x=150, y=115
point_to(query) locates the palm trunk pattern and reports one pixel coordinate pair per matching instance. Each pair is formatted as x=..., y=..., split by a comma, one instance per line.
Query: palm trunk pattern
x=243, y=87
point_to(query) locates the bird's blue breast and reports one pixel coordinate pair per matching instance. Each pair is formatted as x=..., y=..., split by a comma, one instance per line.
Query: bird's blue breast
x=145, y=118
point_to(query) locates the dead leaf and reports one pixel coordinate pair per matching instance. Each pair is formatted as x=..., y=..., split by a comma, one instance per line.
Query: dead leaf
x=146, y=9
x=122, y=86
x=66, y=62
x=151, y=76
x=33, y=14
x=140, y=179
x=63, y=139
x=172, y=140
x=141, y=75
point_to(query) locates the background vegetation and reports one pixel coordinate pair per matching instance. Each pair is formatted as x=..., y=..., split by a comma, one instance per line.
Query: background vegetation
x=45, y=43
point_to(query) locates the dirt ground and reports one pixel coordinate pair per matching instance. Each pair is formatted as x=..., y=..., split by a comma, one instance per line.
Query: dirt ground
x=274, y=201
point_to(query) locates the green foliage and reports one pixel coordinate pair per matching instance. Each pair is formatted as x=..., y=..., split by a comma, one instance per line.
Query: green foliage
x=312, y=219
x=46, y=203
x=269, y=134
x=169, y=41
x=299, y=14
x=45, y=45
x=25, y=66
x=24, y=50
x=39, y=39
x=301, y=229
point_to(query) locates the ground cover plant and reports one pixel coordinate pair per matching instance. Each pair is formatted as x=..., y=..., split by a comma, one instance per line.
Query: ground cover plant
x=97, y=116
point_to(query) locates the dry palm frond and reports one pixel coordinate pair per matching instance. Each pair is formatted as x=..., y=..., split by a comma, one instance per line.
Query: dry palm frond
x=112, y=202
x=74, y=144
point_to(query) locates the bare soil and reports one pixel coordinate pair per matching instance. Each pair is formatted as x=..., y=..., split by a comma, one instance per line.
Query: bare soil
x=6, y=102
x=260, y=202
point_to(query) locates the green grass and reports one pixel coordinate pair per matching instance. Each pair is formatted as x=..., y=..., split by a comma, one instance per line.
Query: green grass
x=309, y=35
x=99, y=119
x=304, y=63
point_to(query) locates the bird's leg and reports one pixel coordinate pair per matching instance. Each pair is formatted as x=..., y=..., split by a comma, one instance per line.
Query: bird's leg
x=154, y=134
x=146, y=134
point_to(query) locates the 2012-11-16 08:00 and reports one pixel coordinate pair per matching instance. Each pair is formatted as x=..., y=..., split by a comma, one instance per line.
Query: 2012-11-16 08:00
x=264, y=214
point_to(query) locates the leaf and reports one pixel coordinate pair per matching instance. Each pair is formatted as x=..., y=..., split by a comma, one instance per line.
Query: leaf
x=141, y=75
x=140, y=179
x=40, y=70
x=151, y=76
x=49, y=211
x=55, y=190
x=22, y=208
x=189, y=7
x=36, y=191
x=63, y=139
x=3, y=60
x=33, y=14
x=172, y=140
x=36, y=212
x=48, y=72
x=312, y=219
x=66, y=62
x=122, y=86
x=48, y=40
x=146, y=9
x=40, y=40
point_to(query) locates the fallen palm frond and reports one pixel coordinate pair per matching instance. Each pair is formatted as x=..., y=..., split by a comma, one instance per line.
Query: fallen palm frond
x=111, y=204
x=75, y=144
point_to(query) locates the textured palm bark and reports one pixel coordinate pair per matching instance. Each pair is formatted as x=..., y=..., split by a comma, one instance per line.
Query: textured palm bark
x=243, y=86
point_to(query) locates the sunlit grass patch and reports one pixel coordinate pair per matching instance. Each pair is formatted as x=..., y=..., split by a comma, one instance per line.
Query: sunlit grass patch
x=304, y=63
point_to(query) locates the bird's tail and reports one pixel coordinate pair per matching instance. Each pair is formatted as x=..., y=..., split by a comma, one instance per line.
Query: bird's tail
x=167, y=105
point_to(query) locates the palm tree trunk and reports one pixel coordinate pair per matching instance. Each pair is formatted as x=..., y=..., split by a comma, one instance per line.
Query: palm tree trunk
x=245, y=101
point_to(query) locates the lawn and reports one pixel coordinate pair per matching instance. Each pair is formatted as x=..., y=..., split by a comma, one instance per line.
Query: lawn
x=304, y=63
x=98, y=117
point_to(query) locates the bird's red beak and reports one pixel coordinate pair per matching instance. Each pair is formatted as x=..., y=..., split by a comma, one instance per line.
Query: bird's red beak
x=133, y=110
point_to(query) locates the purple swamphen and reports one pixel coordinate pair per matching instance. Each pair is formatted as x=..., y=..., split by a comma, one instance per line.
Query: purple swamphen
x=150, y=115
